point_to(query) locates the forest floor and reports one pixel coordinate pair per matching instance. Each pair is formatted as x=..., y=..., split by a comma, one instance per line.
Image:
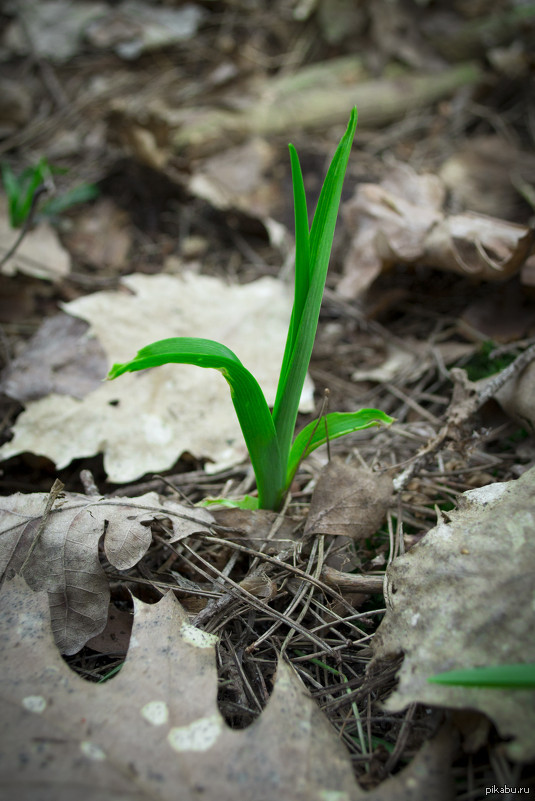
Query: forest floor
x=430, y=296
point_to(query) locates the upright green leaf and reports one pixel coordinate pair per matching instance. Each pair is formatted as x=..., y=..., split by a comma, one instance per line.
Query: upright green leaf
x=320, y=243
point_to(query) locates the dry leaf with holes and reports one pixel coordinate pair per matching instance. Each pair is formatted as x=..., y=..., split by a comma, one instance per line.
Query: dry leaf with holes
x=461, y=598
x=156, y=726
x=64, y=560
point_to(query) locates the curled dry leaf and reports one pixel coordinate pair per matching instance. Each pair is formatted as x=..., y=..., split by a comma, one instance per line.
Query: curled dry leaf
x=65, y=561
x=402, y=221
x=461, y=598
x=156, y=726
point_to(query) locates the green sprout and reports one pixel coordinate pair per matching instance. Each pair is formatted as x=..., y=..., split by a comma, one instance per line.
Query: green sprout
x=22, y=191
x=268, y=435
x=504, y=677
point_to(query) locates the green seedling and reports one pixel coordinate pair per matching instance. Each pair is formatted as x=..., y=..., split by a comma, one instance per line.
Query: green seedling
x=21, y=192
x=504, y=677
x=268, y=435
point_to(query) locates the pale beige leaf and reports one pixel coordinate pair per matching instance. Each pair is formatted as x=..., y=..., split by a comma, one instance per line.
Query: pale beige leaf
x=144, y=421
x=155, y=729
x=463, y=597
x=65, y=561
x=40, y=253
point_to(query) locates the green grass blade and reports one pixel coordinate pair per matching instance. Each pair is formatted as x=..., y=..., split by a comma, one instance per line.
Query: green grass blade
x=321, y=239
x=506, y=677
x=302, y=267
x=248, y=399
x=335, y=424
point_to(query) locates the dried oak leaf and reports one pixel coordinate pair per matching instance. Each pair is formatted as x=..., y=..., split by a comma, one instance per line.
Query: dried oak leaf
x=65, y=560
x=155, y=732
x=461, y=598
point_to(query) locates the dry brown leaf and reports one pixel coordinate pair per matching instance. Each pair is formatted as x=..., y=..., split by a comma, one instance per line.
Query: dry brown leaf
x=156, y=727
x=401, y=221
x=235, y=179
x=100, y=236
x=462, y=597
x=144, y=421
x=349, y=501
x=65, y=559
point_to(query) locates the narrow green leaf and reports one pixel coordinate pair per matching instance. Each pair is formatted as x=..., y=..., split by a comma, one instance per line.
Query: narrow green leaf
x=289, y=392
x=513, y=677
x=248, y=399
x=333, y=425
x=78, y=194
x=302, y=268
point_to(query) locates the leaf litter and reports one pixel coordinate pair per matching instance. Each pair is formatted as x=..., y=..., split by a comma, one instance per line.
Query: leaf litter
x=255, y=580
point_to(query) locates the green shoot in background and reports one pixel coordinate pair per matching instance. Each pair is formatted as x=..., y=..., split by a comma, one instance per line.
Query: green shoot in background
x=268, y=436
x=21, y=189
x=504, y=677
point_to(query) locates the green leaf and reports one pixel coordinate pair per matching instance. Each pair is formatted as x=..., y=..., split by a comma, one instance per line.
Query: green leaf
x=507, y=677
x=305, y=316
x=78, y=194
x=248, y=399
x=331, y=426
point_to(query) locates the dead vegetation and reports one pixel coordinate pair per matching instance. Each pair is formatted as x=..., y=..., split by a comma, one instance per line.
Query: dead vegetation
x=379, y=571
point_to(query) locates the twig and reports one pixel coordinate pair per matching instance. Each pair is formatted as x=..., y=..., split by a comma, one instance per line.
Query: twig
x=55, y=491
x=26, y=226
x=467, y=399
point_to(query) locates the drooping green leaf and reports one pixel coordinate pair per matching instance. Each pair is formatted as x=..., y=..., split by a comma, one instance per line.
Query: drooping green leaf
x=248, y=399
x=331, y=426
x=506, y=677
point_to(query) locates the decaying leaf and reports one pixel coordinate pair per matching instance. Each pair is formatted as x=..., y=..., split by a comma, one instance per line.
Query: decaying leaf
x=64, y=560
x=145, y=421
x=235, y=179
x=463, y=597
x=401, y=221
x=155, y=730
x=349, y=501
x=100, y=236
